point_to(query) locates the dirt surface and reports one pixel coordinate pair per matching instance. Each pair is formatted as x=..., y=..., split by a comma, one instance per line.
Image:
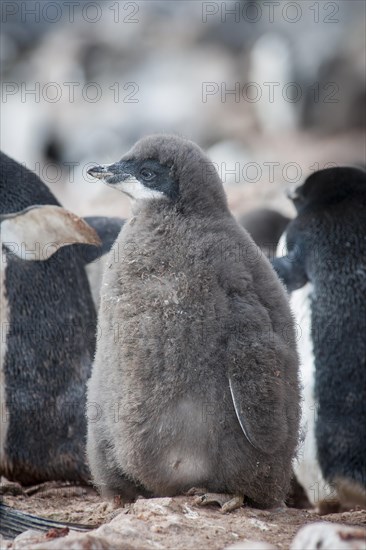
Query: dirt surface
x=172, y=523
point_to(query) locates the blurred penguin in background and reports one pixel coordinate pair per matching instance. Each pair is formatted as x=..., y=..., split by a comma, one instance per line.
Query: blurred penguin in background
x=265, y=226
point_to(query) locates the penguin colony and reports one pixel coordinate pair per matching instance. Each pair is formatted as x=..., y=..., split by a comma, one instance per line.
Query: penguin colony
x=195, y=376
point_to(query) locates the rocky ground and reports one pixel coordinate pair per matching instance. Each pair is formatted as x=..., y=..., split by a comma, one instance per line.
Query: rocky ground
x=178, y=523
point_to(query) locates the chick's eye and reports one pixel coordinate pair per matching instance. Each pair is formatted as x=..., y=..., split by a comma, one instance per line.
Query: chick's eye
x=147, y=174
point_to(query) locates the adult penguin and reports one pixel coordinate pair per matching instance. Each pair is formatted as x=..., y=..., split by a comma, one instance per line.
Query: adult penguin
x=325, y=271
x=48, y=323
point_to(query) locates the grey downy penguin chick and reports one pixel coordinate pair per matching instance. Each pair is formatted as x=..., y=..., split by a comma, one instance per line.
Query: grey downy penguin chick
x=325, y=271
x=195, y=379
x=108, y=230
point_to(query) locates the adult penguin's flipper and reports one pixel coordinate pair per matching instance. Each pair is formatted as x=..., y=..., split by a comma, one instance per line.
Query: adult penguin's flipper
x=13, y=522
x=291, y=271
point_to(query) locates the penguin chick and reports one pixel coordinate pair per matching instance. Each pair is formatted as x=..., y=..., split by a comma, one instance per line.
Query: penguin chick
x=96, y=258
x=325, y=271
x=195, y=379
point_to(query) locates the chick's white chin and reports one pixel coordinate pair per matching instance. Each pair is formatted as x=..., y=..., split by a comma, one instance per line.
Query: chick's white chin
x=136, y=190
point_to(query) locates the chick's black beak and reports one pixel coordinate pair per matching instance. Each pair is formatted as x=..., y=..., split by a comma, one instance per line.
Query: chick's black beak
x=101, y=171
x=111, y=173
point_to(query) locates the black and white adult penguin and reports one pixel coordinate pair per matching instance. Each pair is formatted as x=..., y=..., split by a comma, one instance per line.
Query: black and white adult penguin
x=48, y=323
x=324, y=268
x=195, y=379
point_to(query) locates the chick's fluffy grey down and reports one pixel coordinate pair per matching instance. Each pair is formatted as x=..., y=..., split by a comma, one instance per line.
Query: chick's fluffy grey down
x=195, y=379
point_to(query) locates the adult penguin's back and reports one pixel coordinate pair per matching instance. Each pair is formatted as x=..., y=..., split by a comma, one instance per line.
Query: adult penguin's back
x=20, y=187
x=47, y=349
